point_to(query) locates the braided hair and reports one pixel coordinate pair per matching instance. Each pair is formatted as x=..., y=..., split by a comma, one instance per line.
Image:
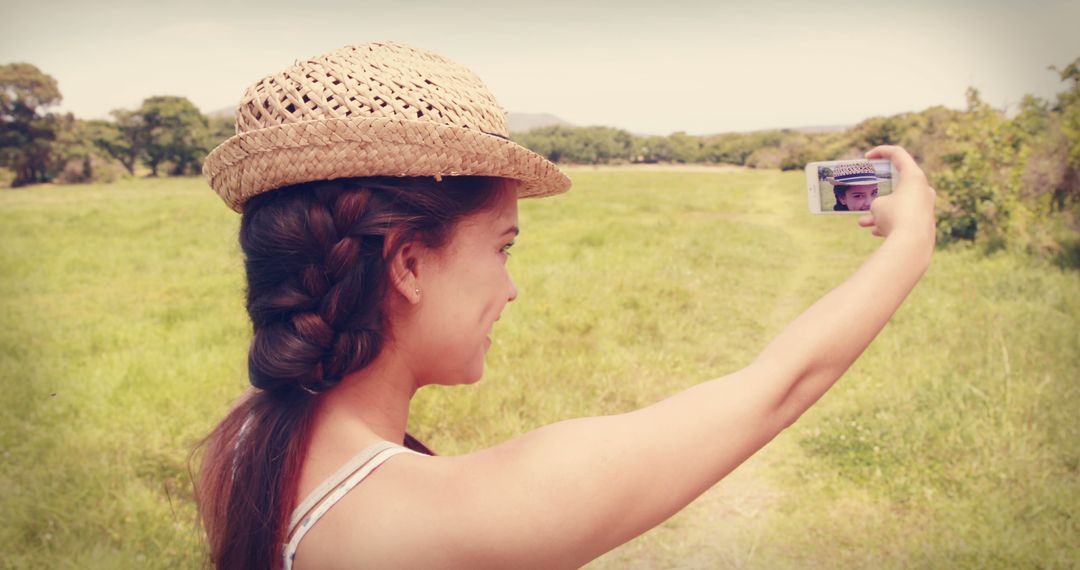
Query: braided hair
x=838, y=191
x=316, y=261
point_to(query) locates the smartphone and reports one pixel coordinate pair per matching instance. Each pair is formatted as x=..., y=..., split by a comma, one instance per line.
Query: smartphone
x=847, y=186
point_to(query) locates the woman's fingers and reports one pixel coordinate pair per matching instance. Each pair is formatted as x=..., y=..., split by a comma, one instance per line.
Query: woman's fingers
x=899, y=157
x=911, y=204
x=867, y=221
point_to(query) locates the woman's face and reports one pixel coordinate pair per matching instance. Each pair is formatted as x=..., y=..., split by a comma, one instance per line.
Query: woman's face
x=464, y=288
x=859, y=197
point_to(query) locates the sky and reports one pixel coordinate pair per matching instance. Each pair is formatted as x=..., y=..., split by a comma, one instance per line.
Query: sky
x=649, y=67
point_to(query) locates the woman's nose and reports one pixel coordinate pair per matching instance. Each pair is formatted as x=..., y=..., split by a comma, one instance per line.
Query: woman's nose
x=513, y=290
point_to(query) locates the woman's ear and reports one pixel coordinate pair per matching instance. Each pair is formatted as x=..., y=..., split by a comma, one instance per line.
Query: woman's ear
x=403, y=267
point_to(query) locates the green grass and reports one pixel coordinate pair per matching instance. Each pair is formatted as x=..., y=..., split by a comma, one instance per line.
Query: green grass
x=952, y=442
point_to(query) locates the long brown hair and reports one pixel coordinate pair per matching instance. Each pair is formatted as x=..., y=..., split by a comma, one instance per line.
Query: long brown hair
x=316, y=278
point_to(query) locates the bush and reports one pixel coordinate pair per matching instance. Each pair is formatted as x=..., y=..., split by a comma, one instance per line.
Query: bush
x=91, y=169
x=765, y=157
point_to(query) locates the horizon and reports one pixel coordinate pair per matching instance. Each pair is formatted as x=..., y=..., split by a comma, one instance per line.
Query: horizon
x=639, y=67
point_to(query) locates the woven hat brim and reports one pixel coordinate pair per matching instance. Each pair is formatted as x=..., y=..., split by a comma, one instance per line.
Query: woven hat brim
x=257, y=161
x=862, y=182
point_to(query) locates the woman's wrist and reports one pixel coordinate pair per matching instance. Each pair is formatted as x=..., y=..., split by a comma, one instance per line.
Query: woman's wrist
x=918, y=243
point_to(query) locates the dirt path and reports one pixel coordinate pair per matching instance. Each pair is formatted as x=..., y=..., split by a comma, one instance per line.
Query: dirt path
x=724, y=528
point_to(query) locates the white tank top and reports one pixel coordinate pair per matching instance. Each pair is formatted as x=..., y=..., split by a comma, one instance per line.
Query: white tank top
x=326, y=495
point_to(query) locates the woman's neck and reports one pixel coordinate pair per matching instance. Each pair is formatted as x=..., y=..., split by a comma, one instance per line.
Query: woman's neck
x=377, y=397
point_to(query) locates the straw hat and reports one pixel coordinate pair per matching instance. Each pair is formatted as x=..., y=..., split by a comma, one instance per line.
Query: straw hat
x=376, y=109
x=858, y=173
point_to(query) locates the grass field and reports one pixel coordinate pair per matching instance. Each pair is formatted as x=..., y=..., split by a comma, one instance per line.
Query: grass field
x=953, y=442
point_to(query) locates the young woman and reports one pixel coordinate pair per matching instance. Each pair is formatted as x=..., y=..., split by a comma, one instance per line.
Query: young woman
x=379, y=200
x=855, y=186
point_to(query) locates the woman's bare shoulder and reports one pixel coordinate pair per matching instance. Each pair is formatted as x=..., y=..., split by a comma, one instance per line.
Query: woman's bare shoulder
x=402, y=514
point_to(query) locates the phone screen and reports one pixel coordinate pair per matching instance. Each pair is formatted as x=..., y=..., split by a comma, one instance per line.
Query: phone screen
x=840, y=186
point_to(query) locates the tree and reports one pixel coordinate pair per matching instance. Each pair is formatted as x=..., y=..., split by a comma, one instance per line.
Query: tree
x=123, y=139
x=72, y=152
x=581, y=145
x=878, y=131
x=220, y=129
x=1068, y=109
x=26, y=130
x=685, y=148
x=78, y=154
x=797, y=152
x=654, y=149
x=1068, y=104
x=174, y=130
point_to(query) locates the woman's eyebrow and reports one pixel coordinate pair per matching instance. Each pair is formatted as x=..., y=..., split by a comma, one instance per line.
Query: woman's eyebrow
x=512, y=229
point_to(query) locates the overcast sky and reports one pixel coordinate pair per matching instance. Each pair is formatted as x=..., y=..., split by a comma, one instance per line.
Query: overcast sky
x=651, y=67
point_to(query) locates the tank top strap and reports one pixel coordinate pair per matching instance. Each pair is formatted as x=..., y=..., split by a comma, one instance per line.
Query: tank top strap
x=326, y=495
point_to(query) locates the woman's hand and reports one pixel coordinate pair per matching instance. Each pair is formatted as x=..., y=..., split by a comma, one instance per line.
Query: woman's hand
x=910, y=207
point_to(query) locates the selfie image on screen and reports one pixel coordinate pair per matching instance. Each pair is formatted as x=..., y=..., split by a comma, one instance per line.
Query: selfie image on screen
x=852, y=186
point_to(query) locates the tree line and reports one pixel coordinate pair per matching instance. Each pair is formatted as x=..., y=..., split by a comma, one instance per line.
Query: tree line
x=1003, y=181
x=164, y=135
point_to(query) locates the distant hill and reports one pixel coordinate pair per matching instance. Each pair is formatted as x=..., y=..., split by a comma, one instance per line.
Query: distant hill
x=521, y=122
x=812, y=130
x=226, y=113
x=823, y=129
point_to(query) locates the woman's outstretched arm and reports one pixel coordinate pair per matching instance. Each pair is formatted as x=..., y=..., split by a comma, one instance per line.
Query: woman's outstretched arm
x=563, y=494
x=820, y=345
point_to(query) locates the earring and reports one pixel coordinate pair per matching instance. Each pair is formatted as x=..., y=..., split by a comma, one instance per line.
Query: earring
x=417, y=291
